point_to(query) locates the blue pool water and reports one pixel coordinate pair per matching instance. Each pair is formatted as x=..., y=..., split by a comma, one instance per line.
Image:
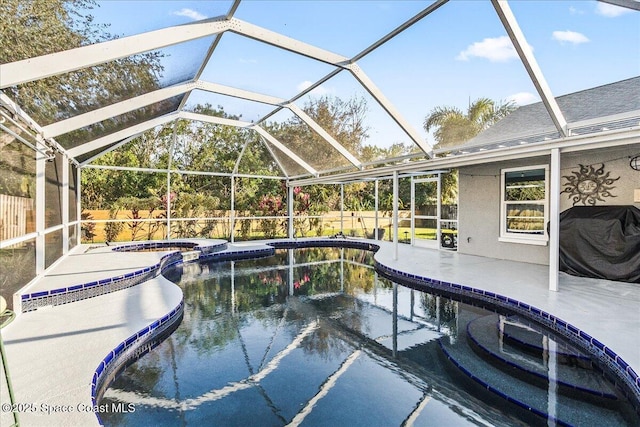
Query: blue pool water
x=315, y=337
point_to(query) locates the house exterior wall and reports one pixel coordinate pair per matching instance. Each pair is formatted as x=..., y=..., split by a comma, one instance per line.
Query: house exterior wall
x=616, y=162
x=479, y=199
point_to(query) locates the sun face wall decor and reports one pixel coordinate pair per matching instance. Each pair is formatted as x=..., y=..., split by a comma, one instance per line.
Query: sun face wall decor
x=589, y=185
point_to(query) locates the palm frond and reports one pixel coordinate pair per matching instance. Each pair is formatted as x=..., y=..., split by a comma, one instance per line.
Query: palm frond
x=440, y=115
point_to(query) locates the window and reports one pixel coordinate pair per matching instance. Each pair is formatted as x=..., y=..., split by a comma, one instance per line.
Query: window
x=524, y=214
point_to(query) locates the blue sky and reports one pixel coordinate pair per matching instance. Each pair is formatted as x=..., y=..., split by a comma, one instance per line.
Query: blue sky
x=455, y=55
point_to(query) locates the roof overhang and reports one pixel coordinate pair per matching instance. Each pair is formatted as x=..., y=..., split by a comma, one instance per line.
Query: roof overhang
x=570, y=144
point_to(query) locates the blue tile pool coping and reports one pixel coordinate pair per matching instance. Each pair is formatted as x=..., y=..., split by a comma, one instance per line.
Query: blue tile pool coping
x=497, y=392
x=170, y=244
x=79, y=292
x=626, y=374
x=523, y=368
x=131, y=348
x=220, y=252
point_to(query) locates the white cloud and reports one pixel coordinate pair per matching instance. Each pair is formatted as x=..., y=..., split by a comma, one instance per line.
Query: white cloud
x=574, y=11
x=610, y=11
x=498, y=49
x=319, y=91
x=190, y=13
x=523, y=98
x=570, y=37
x=247, y=61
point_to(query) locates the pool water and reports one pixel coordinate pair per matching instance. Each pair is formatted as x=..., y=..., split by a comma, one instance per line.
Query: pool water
x=314, y=337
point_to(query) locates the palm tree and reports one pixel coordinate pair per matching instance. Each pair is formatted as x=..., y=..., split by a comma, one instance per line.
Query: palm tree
x=453, y=127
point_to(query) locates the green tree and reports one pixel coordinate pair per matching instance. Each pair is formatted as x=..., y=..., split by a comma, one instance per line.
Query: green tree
x=343, y=120
x=102, y=188
x=453, y=127
x=39, y=27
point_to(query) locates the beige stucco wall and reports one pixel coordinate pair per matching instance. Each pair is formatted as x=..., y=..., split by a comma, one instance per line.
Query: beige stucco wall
x=479, y=200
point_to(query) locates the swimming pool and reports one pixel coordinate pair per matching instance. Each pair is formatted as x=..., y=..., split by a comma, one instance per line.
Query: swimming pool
x=315, y=337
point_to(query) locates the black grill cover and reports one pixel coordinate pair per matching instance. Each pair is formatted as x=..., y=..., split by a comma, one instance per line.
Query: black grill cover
x=602, y=242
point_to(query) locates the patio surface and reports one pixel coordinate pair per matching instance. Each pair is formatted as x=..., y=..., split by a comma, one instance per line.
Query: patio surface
x=608, y=311
x=53, y=352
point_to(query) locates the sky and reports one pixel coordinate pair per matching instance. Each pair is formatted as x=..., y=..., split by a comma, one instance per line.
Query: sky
x=457, y=54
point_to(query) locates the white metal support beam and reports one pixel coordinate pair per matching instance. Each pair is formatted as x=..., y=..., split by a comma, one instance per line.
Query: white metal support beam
x=120, y=135
x=65, y=204
x=15, y=109
x=232, y=211
x=261, y=131
x=53, y=64
x=342, y=208
x=395, y=215
x=272, y=100
x=114, y=147
x=78, y=206
x=554, y=219
x=214, y=119
x=273, y=155
x=41, y=208
x=238, y=93
x=113, y=110
x=236, y=166
x=377, y=206
x=180, y=172
x=261, y=34
x=324, y=134
x=377, y=94
x=530, y=64
x=605, y=139
x=290, y=213
x=413, y=211
x=416, y=18
x=249, y=125
x=293, y=156
x=315, y=85
x=210, y=51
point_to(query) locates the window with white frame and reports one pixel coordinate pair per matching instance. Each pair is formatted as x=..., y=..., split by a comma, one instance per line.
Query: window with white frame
x=524, y=209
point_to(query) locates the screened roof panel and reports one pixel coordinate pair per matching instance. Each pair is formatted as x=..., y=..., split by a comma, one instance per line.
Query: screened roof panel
x=17, y=165
x=57, y=98
x=123, y=121
x=306, y=143
x=464, y=54
x=288, y=165
x=124, y=17
x=207, y=147
x=458, y=53
x=149, y=149
x=78, y=92
x=27, y=23
x=348, y=27
x=379, y=130
x=258, y=67
x=181, y=62
x=243, y=109
x=91, y=154
x=256, y=159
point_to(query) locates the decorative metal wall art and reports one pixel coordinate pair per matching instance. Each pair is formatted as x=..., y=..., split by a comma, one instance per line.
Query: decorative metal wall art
x=589, y=185
x=634, y=162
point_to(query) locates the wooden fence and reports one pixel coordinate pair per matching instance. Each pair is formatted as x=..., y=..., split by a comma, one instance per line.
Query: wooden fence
x=16, y=216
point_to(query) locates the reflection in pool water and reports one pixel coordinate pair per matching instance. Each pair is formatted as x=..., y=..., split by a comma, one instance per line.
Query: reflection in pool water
x=315, y=337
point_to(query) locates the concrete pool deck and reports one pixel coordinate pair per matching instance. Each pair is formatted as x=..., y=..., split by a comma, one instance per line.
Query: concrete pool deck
x=53, y=352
